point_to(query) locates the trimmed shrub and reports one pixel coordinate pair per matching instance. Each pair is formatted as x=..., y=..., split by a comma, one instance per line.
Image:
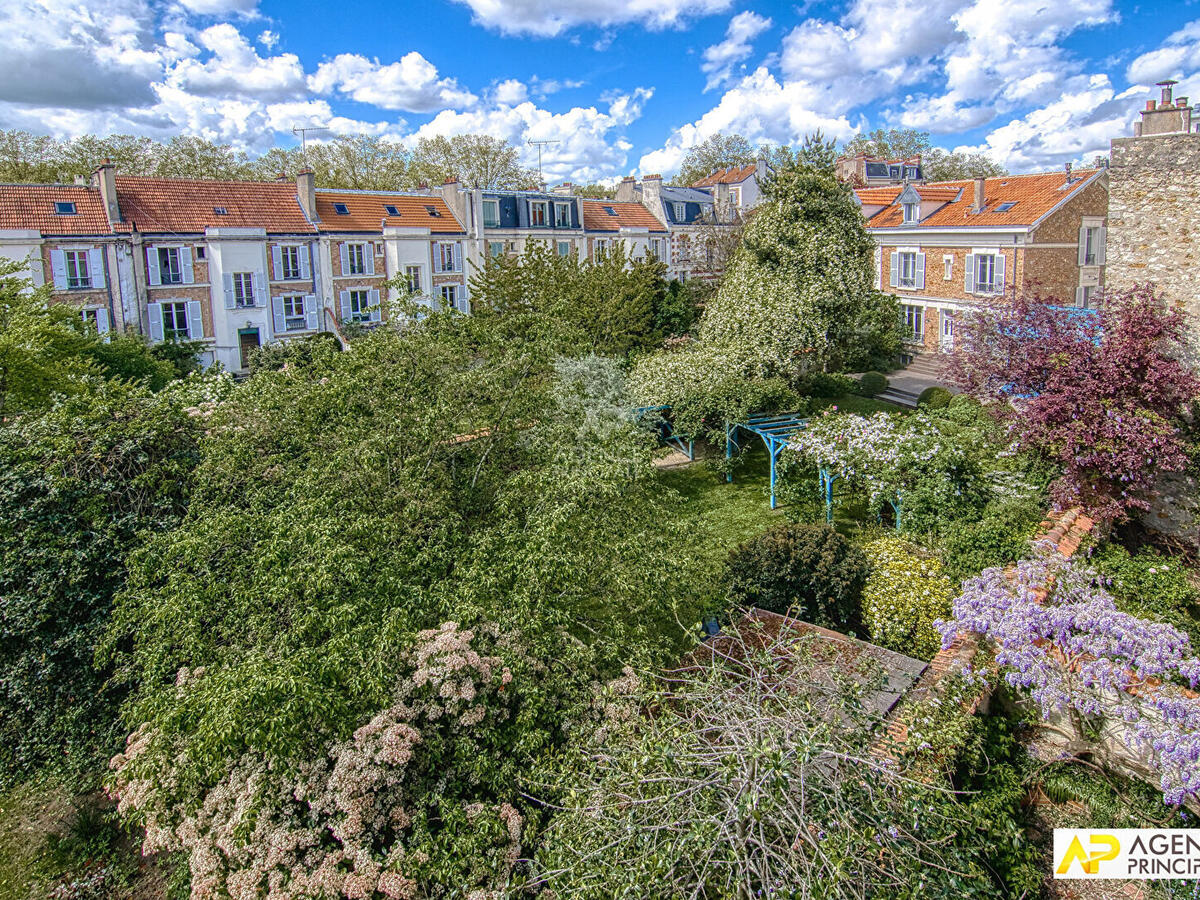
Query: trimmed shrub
x=822, y=384
x=935, y=397
x=809, y=569
x=905, y=593
x=1000, y=536
x=872, y=384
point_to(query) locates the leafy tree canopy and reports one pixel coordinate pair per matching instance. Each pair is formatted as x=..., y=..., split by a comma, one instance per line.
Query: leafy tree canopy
x=939, y=164
x=474, y=160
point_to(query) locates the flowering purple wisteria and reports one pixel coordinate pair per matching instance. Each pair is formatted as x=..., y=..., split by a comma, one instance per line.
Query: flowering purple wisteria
x=1058, y=633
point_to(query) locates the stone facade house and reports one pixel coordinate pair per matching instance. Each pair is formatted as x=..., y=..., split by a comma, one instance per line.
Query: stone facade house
x=630, y=225
x=950, y=246
x=862, y=170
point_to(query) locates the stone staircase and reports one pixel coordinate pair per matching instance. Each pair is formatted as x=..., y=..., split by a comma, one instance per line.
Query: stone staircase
x=905, y=385
x=900, y=397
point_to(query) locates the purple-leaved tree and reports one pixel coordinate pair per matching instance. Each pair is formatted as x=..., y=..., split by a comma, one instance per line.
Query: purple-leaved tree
x=1058, y=633
x=1100, y=394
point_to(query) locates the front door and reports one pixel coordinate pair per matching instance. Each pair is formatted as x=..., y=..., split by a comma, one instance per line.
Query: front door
x=947, y=333
x=248, y=342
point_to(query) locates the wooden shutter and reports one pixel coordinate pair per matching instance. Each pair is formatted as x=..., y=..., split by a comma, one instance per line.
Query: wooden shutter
x=1083, y=246
x=894, y=274
x=344, y=298
x=457, y=257
x=1079, y=296
x=102, y=325
x=344, y=249
x=185, y=265
x=277, y=315
x=260, y=289
x=277, y=261
x=369, y=257
x=154, y=314
x=195, y=320
x=228, y=279
x=311, y=312
x=920, y=271
x=152, y=270
x=969, y=274
x=376, y=309
x=58, y=269
x=305, y=263
x=96, y=266
x=999, y=273
x=1101, y=241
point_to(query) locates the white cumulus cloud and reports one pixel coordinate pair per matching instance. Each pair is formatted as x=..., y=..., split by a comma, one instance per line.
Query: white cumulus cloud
x=548, y=18
x=412, y=83
x=719, y=59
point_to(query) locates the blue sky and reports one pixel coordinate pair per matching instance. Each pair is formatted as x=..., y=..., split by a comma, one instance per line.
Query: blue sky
x=625, y=86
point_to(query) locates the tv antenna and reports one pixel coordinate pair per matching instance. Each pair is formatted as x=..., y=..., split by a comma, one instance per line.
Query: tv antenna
x=303, y=135
x=540, y=145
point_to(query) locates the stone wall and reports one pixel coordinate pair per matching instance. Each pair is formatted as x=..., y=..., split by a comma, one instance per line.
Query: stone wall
x=1153, y=232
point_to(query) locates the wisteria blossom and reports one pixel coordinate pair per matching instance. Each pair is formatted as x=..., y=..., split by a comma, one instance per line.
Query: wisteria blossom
x=1059, y=634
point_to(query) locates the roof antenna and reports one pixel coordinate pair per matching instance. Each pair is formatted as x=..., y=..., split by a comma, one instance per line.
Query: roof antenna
x=540, y=145
x=303, y=135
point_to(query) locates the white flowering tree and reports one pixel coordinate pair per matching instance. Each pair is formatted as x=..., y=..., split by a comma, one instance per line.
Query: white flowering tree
x=799, y=296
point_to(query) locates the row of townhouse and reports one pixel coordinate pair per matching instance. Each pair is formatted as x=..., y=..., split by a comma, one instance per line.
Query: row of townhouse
x=947, y=247
x=236, y=265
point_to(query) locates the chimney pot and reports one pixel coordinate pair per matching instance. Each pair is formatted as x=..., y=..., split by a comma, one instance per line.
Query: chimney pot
x=651, y=178
x=1181, y=102
x=1150, y=106
x=1166, y=91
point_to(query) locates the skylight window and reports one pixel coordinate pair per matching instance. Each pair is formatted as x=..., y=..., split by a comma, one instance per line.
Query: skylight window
x=610, y=210
x=432, y=210
x=220, y=211
x=62, y=208
x=341, y=209
x=391, y=210
x=1005, y=207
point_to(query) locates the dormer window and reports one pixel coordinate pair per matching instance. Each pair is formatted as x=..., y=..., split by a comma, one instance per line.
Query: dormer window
x=680, y=212
x=64, y=208
x=391, y=210
x=341, y=209
x=912, y=213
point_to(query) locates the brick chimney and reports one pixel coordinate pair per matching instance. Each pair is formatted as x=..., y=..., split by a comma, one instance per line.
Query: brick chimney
x=652, y=194
x=721, y=207
x=1168, y=116
x=980, y=201
x=455, y=199
x=627, y=190
x=105, y=178
x=306, y=193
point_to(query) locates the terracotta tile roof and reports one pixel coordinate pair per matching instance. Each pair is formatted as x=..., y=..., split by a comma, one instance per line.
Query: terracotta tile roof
x=30, y=207
x=365, y=211
x=883, y=196
x=188, y=206
x=1031, y=196
x=625, y=215
x=726, y=176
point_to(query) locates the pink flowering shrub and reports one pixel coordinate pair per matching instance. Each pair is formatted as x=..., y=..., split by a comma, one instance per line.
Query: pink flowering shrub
x=1058, y=634
x=375, y=817
x=1098, y=394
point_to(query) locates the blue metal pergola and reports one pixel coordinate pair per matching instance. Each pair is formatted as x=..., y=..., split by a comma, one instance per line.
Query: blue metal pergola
x=776, y=431
x=656, y=417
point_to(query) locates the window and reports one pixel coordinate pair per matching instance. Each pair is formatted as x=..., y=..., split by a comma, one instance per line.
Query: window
x=341, y=209
x=914, y=323
x=1090, y=250
x=1006, y=206
x=220, y=211
x=735, y=196
x=450, y=296
x=680, y=210
x=562, y=215
x=175, y=320
x=911, y=213
x=433, y=212
x=64, y=209
x=655, y=248
x=564, y=248
x=243, y=290
x=985, y=273
x=910, y=172
x=201, y=253
x=537, y=212
x=289, y=263
x=610, y=211
x=78, y=274
x=97, y=318
x=491, y=212
x=170, y=270
x=495, y=248
x=293, y=313
x=412, y=279
x=948, y=264
x=600, y=248
x=391, y=210
x=360, y=306
x=356, y=259
x=445, y=257
x=908, y=270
